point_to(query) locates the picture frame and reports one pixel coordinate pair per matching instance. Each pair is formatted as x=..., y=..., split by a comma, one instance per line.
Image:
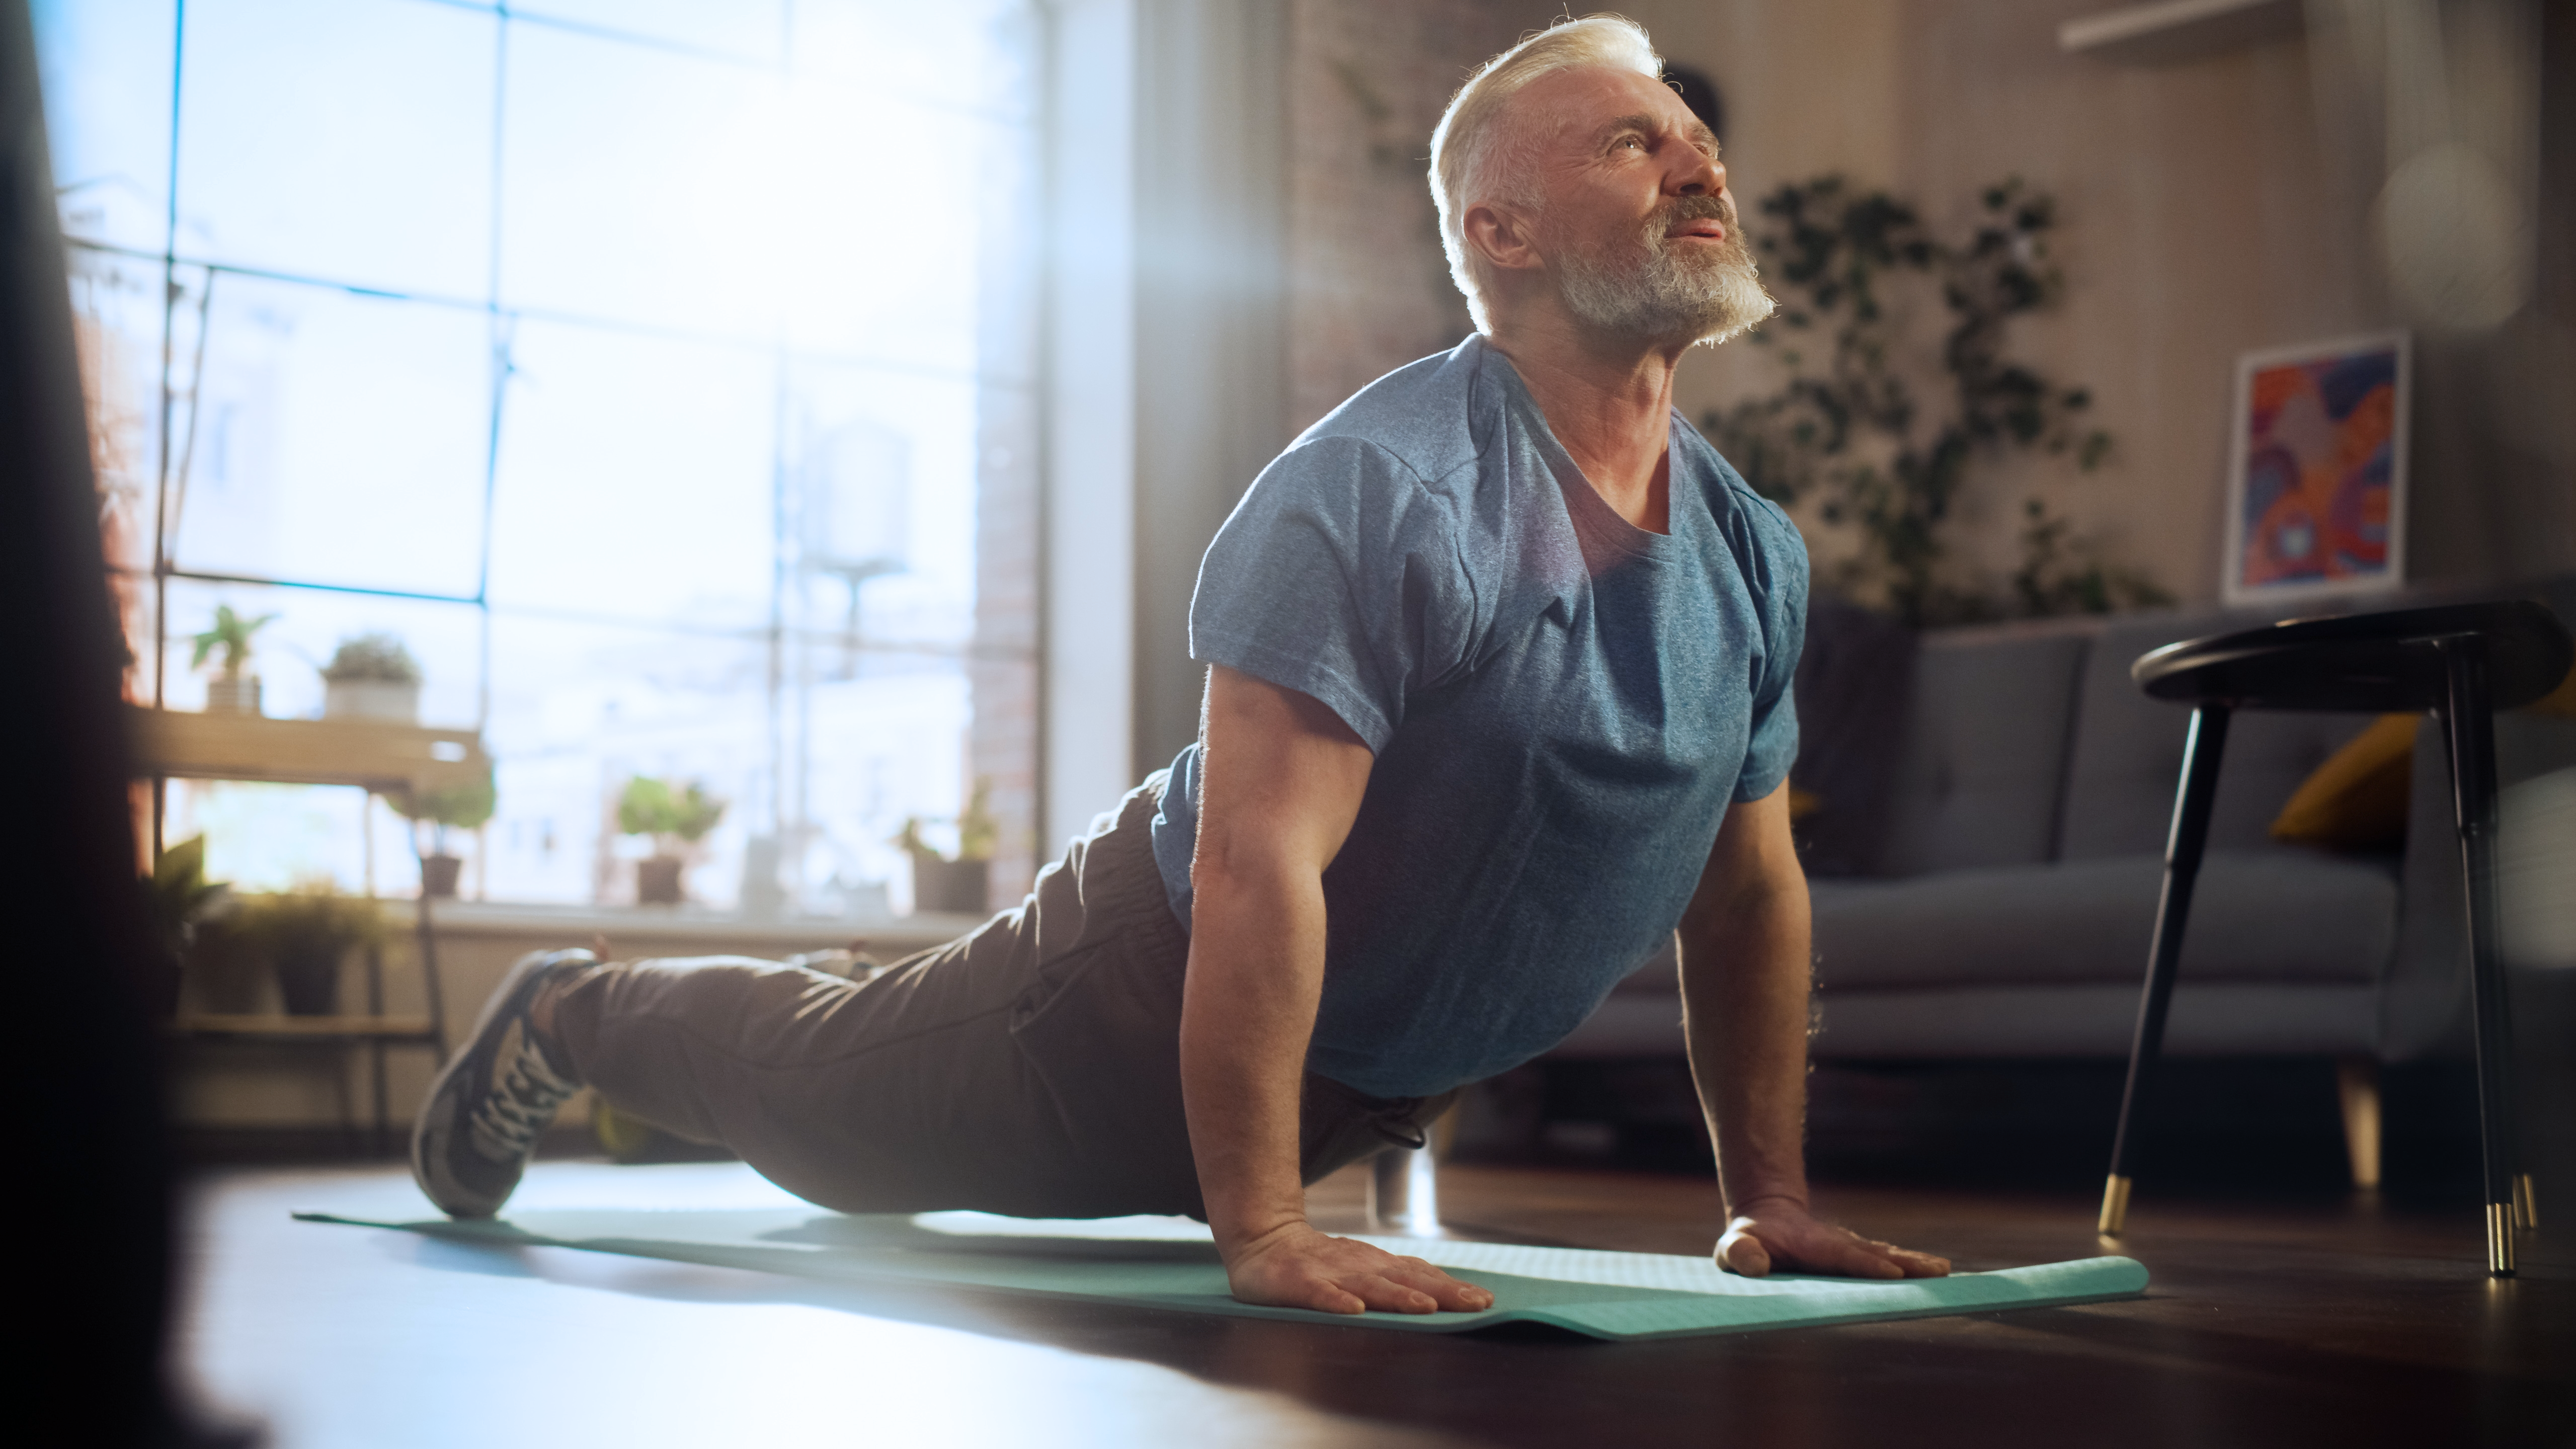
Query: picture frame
x=2316, y=470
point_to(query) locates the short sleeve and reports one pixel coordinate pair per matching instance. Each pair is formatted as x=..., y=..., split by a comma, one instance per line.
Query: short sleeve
x=1777, y=572
x=1337, y=576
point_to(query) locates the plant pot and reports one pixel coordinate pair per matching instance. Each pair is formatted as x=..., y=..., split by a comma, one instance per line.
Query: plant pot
x=232, y=694
x=224, y=972
x=950, y=885
x=309, y=981
x=371, y=699
x=657, y=881
x=438, y=876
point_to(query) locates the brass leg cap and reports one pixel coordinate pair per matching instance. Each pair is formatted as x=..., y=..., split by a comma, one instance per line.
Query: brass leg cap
x=2526, y=1211
x=2499, y=1240
x=2115, y=1206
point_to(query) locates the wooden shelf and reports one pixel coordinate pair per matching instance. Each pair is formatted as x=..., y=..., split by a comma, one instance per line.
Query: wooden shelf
x=339, y=1028
x=373, y=754
x=2174, y=30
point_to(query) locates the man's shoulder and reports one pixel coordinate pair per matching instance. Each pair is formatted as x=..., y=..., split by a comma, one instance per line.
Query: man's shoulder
x=1752, y=521
x=1421, y=417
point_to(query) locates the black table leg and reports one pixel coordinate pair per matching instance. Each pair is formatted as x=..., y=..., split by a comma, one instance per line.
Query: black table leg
x=2183, y=847
x=2468, y=727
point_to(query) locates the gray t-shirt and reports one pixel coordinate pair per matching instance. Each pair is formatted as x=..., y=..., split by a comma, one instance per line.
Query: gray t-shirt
x=1561, y=706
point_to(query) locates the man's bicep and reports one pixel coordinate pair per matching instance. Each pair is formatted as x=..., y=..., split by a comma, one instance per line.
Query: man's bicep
x=1281, y=776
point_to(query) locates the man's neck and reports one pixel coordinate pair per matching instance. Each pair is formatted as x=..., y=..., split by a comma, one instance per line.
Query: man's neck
x=1608, y=401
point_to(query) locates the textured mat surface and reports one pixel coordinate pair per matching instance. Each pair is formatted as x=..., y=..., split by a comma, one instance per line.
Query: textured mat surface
x=1170, y=1263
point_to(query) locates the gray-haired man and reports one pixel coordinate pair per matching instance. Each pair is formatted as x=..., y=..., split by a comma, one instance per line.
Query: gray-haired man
x=1499, y=698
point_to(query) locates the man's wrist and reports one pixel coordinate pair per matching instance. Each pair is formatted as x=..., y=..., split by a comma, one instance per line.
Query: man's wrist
x=1743, y=1206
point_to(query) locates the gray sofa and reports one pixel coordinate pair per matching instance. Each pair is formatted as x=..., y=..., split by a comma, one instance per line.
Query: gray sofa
x=2005, y=894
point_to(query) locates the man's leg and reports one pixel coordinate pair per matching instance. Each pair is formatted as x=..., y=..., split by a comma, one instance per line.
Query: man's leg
x=1029, y=1068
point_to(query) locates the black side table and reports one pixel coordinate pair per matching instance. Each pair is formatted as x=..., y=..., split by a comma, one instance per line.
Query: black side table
x=2462, y=663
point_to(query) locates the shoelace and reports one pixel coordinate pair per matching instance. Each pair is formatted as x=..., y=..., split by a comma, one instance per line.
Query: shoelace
x=506, y=1121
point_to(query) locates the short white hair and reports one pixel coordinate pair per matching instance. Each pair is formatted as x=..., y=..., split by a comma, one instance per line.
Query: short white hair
x=1470, y=163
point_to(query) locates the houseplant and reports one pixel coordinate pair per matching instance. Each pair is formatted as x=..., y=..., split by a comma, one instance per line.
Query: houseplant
x=304, y=934
x=371, y=676
x=675, y=816
x=1890, y=426
x=189, y=916
x=234, y=690
x=963, y=881
x=461, y=807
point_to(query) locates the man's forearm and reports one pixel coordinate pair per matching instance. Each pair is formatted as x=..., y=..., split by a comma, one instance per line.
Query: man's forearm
x=1247, y=1011
x=1745, y=974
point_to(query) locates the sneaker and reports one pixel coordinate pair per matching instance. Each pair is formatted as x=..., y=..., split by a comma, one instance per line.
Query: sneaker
x=486, y=1108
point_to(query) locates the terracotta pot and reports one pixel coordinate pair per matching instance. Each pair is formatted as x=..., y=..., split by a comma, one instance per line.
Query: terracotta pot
x=657, y=881
x=309, y=981
x=438, y=876
x=950, y=885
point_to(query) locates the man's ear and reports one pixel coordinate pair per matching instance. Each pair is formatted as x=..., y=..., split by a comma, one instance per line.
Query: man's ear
x=1505, y=238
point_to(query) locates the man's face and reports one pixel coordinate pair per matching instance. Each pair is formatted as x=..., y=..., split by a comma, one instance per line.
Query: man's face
x=1637, y=222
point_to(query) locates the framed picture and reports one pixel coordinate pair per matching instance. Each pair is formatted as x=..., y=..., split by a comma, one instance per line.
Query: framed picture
x=2316, y=471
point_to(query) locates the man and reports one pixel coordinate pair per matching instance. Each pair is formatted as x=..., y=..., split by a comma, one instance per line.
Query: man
x=1499, y=697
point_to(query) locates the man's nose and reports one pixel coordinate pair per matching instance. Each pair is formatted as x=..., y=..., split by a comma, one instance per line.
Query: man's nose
x=1705, y=176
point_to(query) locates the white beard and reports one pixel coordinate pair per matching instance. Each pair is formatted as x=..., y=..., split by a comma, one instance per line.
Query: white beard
x=1654, y=294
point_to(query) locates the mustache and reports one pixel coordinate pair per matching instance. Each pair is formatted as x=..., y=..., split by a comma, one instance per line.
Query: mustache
x=1718, y=208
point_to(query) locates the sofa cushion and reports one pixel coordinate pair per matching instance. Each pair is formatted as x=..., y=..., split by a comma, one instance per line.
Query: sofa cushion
x=2127, y=757
x=1985, y=754
x=2276, y=915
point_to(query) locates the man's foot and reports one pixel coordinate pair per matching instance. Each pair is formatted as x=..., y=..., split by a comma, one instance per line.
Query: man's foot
x=485, y=1110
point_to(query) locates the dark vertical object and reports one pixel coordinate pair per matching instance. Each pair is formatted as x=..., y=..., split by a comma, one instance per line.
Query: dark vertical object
x=2201, y=751
x=87, y=1118
x=2468, y=729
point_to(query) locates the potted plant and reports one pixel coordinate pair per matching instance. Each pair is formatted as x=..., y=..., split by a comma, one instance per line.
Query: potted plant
x=961, y=882
x=463, y=806
x=189, y=916
x=234, y=690
x=304, y=934
x=675, y=817
x=371, y=676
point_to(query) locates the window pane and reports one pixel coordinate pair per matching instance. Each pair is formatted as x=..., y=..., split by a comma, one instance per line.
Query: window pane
x=343, y=139
x=750, y=29
x=970, y=54
x=289, y=652
x=636, y=479
x=336, y=438
x=638, y=185
x=883, y=466
x=896, y=213
x=105, y=68
x=577, y=710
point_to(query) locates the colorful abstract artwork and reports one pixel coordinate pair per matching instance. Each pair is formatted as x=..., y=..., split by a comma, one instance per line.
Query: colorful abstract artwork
x=2316, y=497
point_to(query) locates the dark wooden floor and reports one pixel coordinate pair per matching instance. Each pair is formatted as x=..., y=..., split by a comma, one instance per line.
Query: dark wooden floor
x=2285, y=1316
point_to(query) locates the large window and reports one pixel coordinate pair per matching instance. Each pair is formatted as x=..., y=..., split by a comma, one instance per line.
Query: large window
x=661, y=375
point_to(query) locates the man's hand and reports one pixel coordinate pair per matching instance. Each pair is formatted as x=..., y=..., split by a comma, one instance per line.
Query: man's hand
x=1780, y=1233
x=1294, y=1266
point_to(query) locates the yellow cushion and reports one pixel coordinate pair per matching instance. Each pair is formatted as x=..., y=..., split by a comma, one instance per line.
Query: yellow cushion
x=2560, y=701
x=2356, y=800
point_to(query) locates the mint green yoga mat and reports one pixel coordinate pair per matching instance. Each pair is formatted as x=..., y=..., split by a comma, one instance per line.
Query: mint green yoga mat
x=1171, y=1263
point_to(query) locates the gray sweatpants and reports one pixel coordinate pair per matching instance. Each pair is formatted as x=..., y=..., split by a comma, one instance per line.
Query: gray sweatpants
x=1031, y=1067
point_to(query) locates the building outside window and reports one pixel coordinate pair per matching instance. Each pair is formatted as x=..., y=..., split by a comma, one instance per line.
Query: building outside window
x=663, y=377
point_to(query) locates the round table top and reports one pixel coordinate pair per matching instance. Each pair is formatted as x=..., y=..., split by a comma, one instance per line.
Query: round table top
x=2375, y=663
